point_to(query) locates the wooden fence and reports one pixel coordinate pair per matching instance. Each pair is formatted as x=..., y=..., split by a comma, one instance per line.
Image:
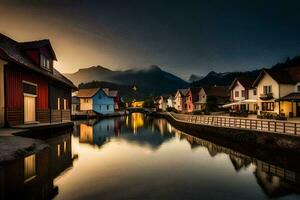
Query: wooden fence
x=264, y=125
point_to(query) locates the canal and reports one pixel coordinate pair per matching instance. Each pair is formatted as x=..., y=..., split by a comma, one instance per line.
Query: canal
x=139, y=157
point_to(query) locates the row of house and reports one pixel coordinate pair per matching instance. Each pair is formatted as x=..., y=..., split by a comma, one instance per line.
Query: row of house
x=98, y=100
x=31, y=89
x=193, y=99
x=274, y=91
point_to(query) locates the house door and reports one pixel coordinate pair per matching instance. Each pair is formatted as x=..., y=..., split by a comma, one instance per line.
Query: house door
x=29, y=109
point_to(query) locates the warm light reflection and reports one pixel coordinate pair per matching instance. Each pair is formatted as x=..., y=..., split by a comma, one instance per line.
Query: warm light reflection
x=86, y=133
x=137, y=121
x=29, y=168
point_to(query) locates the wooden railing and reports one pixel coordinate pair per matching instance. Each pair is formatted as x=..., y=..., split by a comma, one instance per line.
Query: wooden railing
x=264, y=125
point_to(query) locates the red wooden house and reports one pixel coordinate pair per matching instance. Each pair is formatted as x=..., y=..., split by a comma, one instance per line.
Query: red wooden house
x=34, y=91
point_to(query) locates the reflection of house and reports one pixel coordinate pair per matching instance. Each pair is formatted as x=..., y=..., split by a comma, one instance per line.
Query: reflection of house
x=99, y=132
x=34, y=90
x=32, y=177
x=214, y=95
x=97, y=100
x=137, y=104
x=180, y=99
x=86, y=133
x=278, y=91
x=242, y=94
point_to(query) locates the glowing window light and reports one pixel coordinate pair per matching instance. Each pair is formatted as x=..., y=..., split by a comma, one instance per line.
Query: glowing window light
x=29, y=168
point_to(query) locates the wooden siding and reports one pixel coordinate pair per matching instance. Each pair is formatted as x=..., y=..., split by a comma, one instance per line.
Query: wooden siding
x=55, y=115
x=56, y=92
x=43, y=115
x=15, y=116
x=14, y=87
x=66, y=115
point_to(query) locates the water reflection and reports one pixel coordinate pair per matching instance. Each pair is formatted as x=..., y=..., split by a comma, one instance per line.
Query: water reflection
x=138, y=157
x=33, y=177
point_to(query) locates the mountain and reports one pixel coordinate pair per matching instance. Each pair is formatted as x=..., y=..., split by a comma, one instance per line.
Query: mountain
x=194, y=78
x=125, y=91
x=225, y=79
x=152, y=79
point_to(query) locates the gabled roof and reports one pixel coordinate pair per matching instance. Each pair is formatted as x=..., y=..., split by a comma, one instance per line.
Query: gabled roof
x=87, y=93
x=246, y=82
x=220, y=91
x=195, y=93
x=113, y=93
x=38, y=44
x=282, y=76
x=183, y=92
x=12, y=51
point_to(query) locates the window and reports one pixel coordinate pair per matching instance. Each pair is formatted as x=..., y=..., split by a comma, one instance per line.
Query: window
x=268, y=106
x=65, y=104
x=236, y=94
x=29, y=88
x=58, y=150
x=107, y=107
x=65, y=146
x=45, y=62
x=298, y=88
x=85, y=100
x=243, y=93
x=29, y=168
x=267, y=89
x=100, y=96
x=254, y=92
x=58, y=103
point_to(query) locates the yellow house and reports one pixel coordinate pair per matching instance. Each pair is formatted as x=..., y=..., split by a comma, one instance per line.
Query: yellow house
x=278, y=91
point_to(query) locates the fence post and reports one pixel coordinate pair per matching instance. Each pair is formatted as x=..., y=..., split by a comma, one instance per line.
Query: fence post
x=275, y=126
x=283, y=127
x=295, y=129
x=268, y=125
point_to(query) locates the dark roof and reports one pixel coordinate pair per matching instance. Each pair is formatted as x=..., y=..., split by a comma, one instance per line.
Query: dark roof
x=87, y=92
x=246, y=82
x=294, y=96
x=38, y=44
x=195, y=93
x=282, y=76
x=183, y=92
x=220, y=91
x=11, y=50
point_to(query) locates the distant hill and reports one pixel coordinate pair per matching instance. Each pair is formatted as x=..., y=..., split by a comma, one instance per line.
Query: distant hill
x=125, y=91
x=194, y=78
x=153, y=79
x=225, y=79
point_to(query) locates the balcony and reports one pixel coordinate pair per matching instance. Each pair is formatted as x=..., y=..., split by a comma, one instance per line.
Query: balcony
x=266, y=96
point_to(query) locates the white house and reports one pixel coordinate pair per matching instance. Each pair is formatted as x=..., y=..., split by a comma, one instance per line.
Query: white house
x=278, y=91
x=180, y=99
x=243, y=95
x=171, y=101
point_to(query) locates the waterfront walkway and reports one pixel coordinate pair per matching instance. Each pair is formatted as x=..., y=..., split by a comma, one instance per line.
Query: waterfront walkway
x=262, y=125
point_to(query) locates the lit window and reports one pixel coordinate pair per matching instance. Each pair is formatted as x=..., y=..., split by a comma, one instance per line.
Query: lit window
x=65, y=146
x=65, y=104
x=58, y=150
x=58, y=103
x=29, y=168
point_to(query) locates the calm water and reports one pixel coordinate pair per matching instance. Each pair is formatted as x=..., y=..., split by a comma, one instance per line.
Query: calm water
x=137, y=157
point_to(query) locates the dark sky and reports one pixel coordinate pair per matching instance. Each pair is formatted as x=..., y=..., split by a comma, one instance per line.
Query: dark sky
x=183, y=37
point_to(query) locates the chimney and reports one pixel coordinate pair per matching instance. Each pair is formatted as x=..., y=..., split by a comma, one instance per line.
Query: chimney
x=106, y=90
